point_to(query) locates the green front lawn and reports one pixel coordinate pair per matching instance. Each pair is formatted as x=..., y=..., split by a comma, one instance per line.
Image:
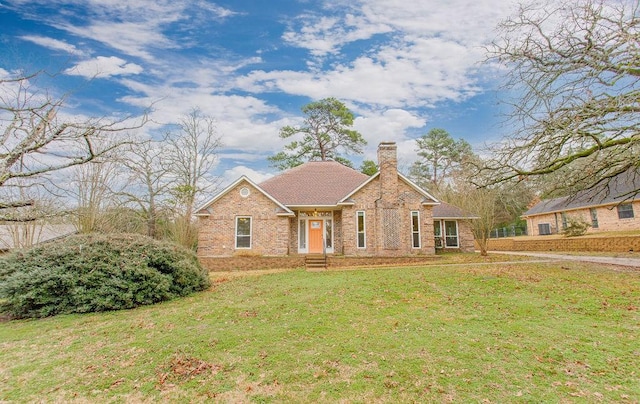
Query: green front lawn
x=498, y=332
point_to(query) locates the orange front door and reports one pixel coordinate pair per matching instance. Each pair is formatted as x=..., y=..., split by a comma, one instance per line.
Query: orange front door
x=315, y=236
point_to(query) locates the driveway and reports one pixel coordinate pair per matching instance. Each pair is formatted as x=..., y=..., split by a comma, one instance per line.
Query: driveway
x=626, y=262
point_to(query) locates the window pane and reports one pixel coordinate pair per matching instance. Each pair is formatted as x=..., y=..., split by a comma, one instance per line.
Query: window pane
x=327, y=233
x=544, y=229
x=244, y=226
x=361, y=230
x=243, y=232
x=244, y=241
x=451, y=233
x=302, y=234
x=415, y=229
x=594, y=218
x=437, y=233
x=625, y=211
x=360, y=222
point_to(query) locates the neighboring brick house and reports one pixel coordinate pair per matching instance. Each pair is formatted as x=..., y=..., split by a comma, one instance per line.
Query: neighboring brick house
x=324, y=206
x=611, y=207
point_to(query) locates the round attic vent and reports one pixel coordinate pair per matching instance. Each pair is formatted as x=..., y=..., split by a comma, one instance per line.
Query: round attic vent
x=244, y=192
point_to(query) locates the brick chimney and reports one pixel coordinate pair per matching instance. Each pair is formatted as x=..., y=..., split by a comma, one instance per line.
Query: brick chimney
x=388, y=164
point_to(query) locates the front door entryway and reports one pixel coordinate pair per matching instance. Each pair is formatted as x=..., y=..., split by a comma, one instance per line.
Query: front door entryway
x=316, y=240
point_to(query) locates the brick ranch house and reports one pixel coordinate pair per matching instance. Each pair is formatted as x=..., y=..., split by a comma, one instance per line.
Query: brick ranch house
x=325, y=207
x=613, y=207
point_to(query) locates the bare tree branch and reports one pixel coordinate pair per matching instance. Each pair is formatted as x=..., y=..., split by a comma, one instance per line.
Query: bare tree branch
x=36, y=139
x=575, y=68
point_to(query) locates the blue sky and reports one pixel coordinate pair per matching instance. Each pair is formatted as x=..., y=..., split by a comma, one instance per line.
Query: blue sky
x=402, y=67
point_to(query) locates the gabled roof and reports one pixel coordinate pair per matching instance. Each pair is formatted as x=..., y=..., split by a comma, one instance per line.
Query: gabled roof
x=620, y=188
x=316, y=183
x=446, y=211
x=282, y=209
x=429, y=199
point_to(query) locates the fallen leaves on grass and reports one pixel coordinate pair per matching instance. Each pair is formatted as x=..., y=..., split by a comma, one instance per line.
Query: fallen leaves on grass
x=182, y=368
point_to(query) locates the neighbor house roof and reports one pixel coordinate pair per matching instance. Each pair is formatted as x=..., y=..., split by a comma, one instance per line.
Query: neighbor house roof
x=11, y=235
x=623, y=187
x=316, y=183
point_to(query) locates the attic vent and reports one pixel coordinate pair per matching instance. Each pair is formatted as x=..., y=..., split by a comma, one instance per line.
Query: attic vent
x=244, y=192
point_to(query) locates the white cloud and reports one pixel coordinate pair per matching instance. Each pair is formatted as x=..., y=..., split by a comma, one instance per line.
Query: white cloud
x=411, y=74
x=388, y=126
x=103, y=66
x=322, y=35
x=54, y=44
x=245, y=122
x=229, y=176
x=130, y=38
x=136, y=28
x=462, y=21
x=427, y=52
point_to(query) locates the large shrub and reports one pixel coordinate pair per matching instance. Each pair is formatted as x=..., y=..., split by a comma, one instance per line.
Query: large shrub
x=89, y=273
x=576, y=226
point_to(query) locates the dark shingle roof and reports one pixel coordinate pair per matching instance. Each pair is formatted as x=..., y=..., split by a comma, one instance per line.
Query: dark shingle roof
x=618, y=189
x=446, y=211
x=314, y=183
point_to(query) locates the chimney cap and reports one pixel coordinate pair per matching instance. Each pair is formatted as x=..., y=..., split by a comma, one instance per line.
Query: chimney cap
x=387, y=144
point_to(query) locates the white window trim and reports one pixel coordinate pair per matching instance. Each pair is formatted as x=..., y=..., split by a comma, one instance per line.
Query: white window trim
x=444, y=227
x=440, y=237
x=250, y=233
x=364, y=229
x=417, y=213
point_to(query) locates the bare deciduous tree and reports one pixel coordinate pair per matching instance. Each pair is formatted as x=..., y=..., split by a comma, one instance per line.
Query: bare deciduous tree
x=491, y=205
x=36, y=138
x=191, y=154
x=575, y=68
x=95, y=188
x=149, y=181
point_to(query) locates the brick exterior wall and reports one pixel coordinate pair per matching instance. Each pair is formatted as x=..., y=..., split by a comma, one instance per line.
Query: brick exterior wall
x=465, y=237
x=270, y=232
x=607, y=219
x=367, y=199
x=387, y=202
